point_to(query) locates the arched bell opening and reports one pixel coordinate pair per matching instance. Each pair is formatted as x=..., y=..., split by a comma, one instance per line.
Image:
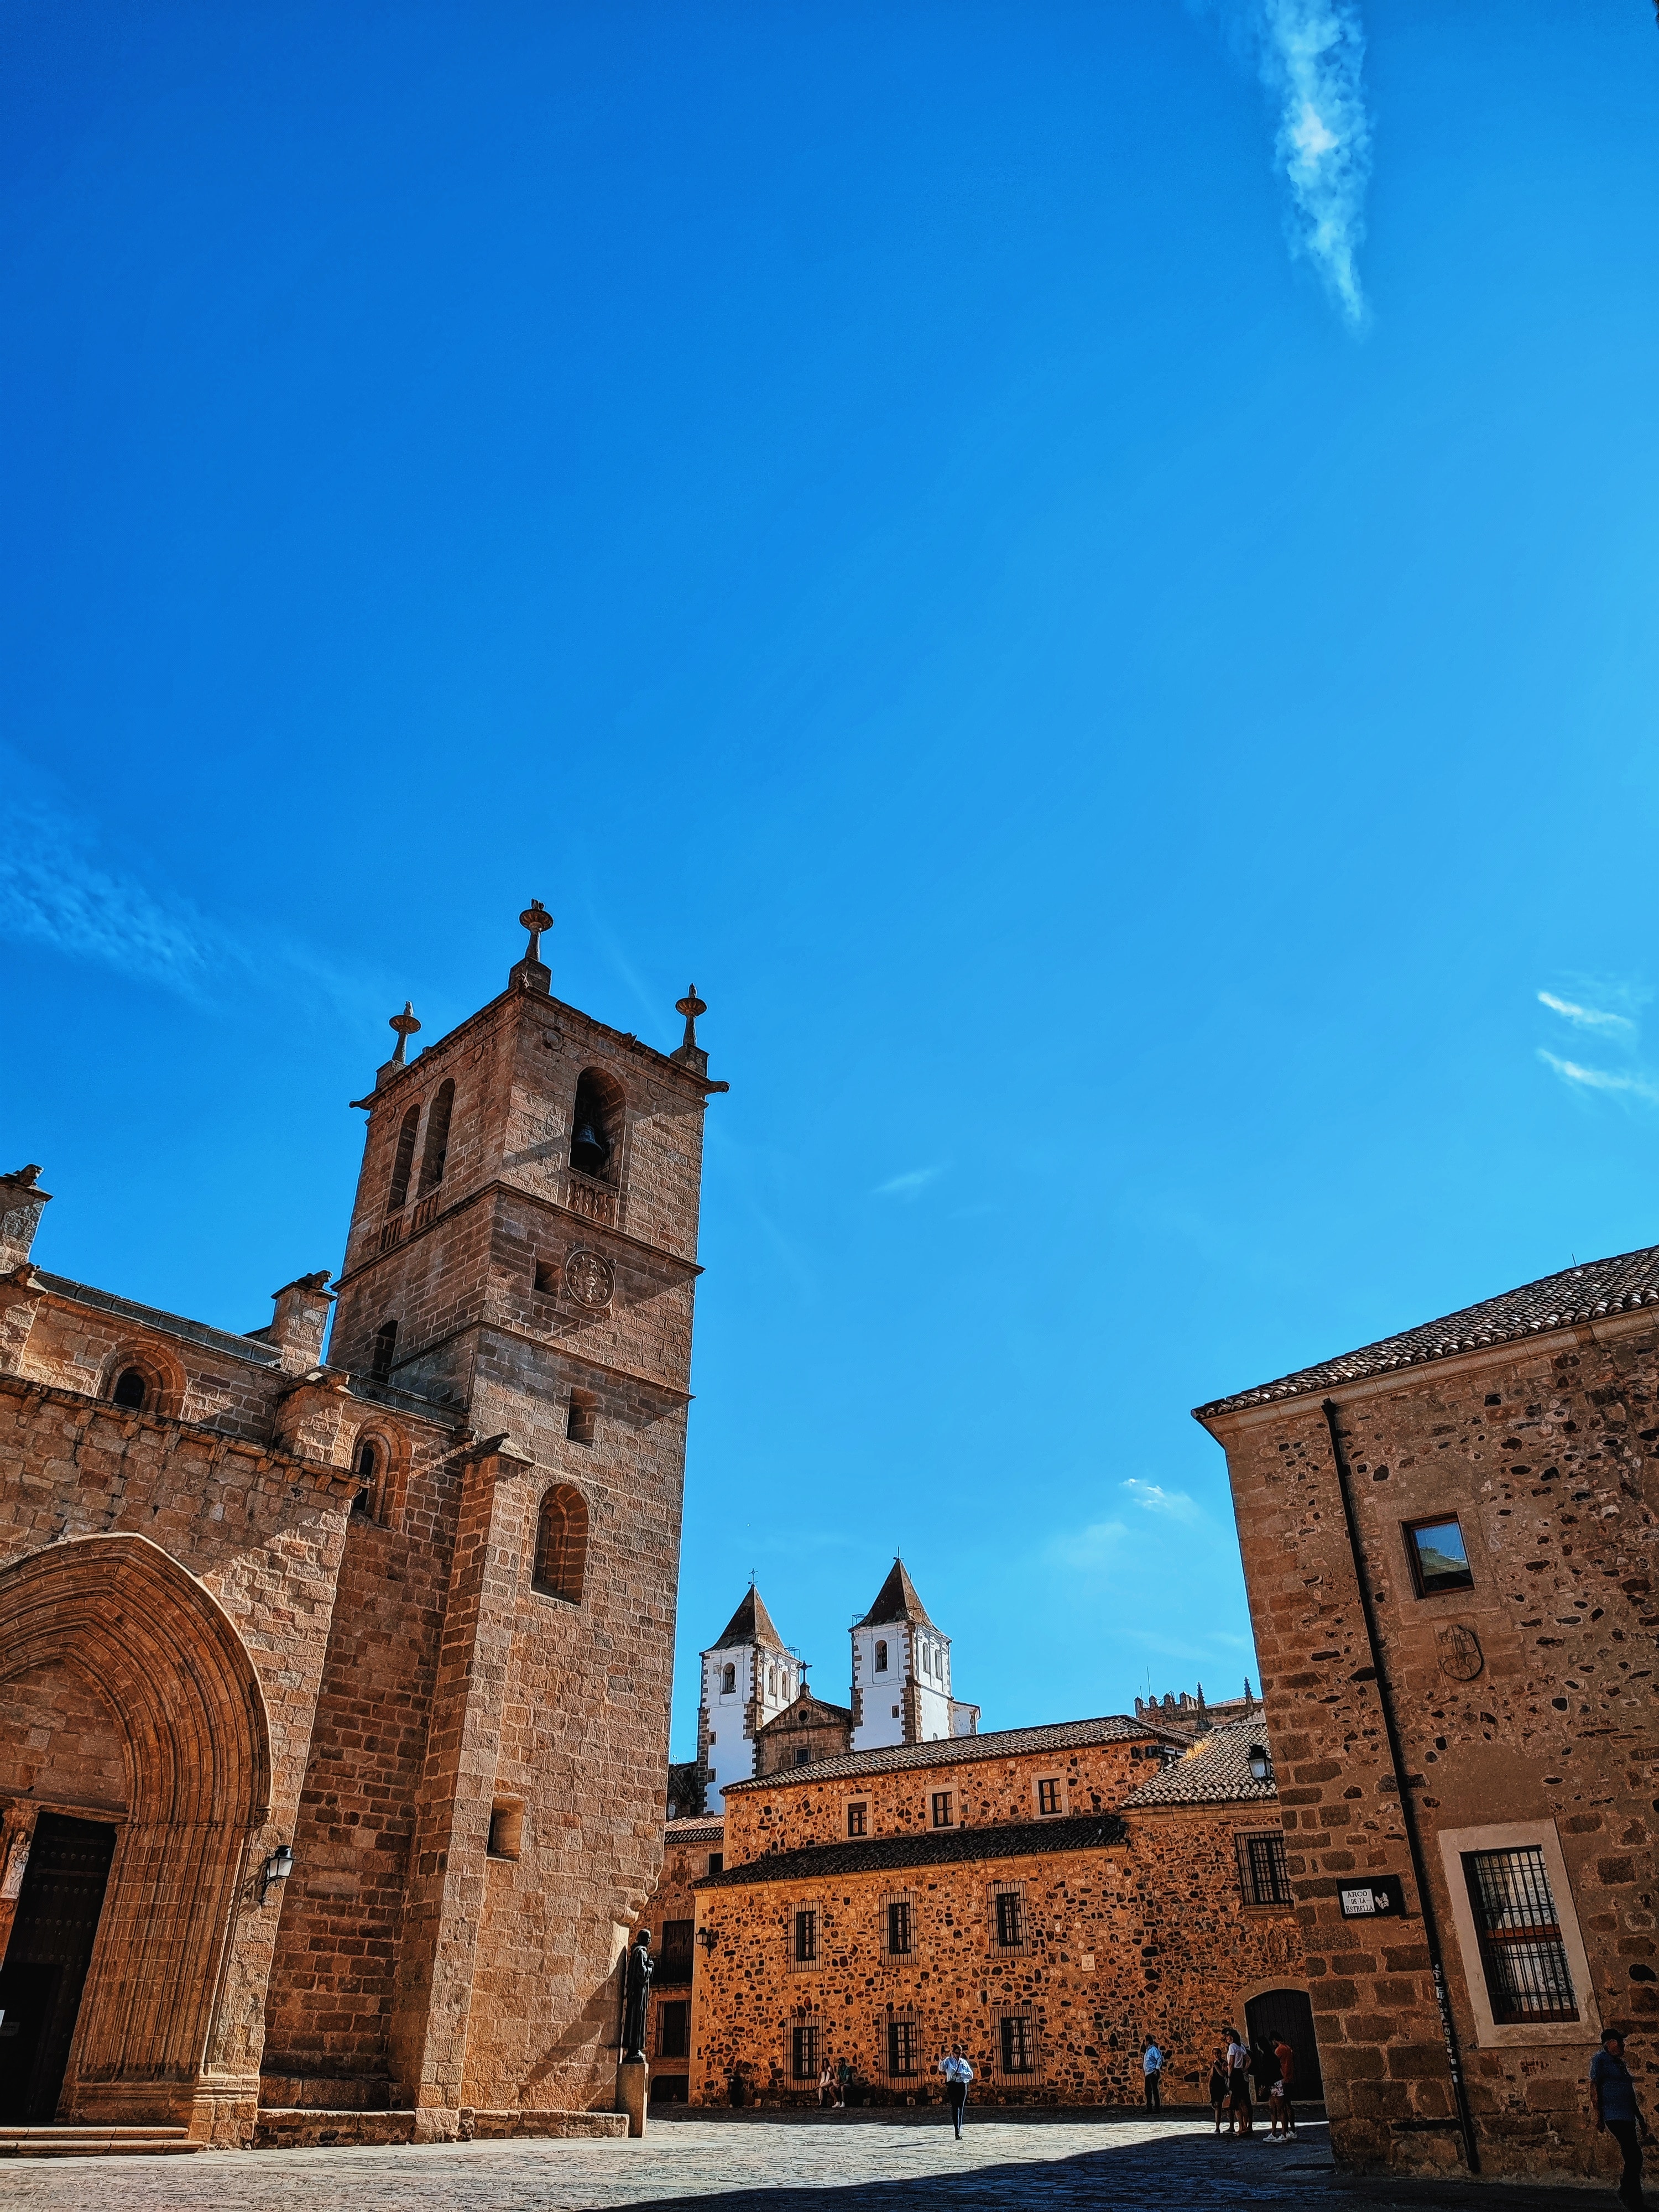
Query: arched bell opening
x=596, y=1126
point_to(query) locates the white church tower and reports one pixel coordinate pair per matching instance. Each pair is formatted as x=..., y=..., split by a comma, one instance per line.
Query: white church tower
x=902, y=1673
x=747, y=1679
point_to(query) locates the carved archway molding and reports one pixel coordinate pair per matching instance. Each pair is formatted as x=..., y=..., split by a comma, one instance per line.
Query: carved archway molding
x=122, y=1614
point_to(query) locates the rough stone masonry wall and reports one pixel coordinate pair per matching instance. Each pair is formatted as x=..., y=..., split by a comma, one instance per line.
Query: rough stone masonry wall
x=1548, y=1453
x=787, y=1815
x=1148, y=1938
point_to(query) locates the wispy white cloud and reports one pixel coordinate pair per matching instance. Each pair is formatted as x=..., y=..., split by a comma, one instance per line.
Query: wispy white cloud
x=1090, y=1549
x=1173, y=1504
x=908, y=1185
x=1600, y=1078
x=1586, y=1017
x=1310, y=55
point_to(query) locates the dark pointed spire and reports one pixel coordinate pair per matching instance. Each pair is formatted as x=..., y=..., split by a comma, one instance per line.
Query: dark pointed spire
x=750, y=1624
x=896, y=1600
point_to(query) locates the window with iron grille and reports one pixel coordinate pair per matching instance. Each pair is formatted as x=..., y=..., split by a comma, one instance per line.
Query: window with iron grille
x=674, y=2028
x=1520, y=1931
x=942, y=1813
x=803, y=2050
x=804, y=1949
x=1262, y=1871
x=1017, y=2043
x=897, y=1928
x=1048, y=1796
x=901, y=2053
x=1008, y=1909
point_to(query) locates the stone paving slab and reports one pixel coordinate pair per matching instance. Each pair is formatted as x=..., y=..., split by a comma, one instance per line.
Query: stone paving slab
x=835, y=2162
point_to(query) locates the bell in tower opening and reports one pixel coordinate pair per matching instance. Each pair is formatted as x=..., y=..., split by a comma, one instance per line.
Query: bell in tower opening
x=595, y=1124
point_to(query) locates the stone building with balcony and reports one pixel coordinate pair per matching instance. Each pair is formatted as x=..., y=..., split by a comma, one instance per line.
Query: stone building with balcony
x=308, y=1662
x=1451, y=1542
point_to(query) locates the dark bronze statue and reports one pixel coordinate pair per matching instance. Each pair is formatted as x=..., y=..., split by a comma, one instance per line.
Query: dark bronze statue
x=636, y=1992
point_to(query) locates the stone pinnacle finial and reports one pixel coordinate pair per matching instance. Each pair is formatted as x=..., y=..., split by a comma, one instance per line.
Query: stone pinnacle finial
x=405, y=1024
x=691, y=1053
x=532, y=973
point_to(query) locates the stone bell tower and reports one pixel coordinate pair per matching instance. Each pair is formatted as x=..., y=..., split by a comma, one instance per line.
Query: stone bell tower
x=522, y=1256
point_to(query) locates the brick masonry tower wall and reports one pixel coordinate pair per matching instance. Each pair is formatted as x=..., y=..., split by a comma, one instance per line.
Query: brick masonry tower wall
x=551, y=1308
x=1526, y=1705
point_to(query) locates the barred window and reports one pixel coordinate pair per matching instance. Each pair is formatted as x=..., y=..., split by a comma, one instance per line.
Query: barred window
x=674, y=2028
x=1017, y=2040
x=806, y=1936
x=1009, y=1907
x=1262, y=1871
x=899, y=1931
x=804, y=2047
x=1520, y=1931
x=901, y=2048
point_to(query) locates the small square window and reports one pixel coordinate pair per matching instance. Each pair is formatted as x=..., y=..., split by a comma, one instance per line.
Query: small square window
x=1047, y=1796
x=506, y=1828
x=1438, y=1557
x=857, y=1818
x=716, y=1862
x=547, y=1278
x=943, y=1816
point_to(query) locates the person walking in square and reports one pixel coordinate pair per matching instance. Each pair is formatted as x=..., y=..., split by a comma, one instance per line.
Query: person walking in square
x=1613, y=2094
x=1219, y=2091
x=957, y=2074
x=1239, y=2084
x=1151, y=2067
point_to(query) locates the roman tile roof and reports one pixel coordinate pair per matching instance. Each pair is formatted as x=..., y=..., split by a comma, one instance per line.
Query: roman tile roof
x=1216, y=1770
x=1589, y=1293
x=699, y=1830
x=897, y=1601
x=750, y=1624
x=965, y=1750
x=1013, y=1840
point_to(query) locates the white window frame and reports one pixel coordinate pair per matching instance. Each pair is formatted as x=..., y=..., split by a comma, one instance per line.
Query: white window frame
x=1512, y=1836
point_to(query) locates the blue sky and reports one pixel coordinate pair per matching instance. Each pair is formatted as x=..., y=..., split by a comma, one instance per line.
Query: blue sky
x=1143, y=739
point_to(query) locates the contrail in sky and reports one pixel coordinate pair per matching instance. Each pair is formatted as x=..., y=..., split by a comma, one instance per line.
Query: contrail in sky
x=1311, y=53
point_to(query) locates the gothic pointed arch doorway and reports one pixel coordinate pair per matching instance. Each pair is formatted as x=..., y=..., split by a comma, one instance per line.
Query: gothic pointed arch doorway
x=182, y=1779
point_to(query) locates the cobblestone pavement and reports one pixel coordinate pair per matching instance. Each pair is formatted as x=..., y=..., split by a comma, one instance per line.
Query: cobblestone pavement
x=833, y=2162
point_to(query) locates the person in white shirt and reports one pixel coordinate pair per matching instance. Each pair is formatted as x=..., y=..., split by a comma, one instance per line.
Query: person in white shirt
x=1239, y=2084
x=1151, y=2065
x=957, y=2074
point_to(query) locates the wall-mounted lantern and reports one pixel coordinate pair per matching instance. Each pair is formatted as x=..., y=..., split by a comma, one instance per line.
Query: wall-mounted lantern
x=1261, y=1767
x=709, y=1937
x=279, y=1867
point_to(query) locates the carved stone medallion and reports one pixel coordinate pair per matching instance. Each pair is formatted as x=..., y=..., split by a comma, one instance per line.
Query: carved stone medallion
x=1461, y=1655
x=588, y=1279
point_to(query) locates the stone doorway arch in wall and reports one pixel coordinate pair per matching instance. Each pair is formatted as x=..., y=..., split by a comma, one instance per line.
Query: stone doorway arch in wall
x=123, y=1616
x=1283, y=2006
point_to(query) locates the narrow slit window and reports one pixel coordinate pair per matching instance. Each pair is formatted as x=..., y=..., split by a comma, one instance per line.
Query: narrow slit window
x=584, y=1414
x=1521, y=1951
x=547, y=1278
x=381, y=1352
x=506, y=1828
x=402, y=1164
x=435, y=1156
x=881, y=1657
x=806, y=1936
x=367, y=1468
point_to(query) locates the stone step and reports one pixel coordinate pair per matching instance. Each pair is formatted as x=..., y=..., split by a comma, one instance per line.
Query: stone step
x=96, y=2143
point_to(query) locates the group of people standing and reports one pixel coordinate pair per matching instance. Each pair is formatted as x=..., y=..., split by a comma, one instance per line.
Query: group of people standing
x=1271, y=2066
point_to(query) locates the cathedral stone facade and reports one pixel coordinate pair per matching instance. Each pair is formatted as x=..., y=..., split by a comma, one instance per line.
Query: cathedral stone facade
x=334, y=1691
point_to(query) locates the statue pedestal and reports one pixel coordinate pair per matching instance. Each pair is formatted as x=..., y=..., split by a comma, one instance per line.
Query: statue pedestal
x=633, y=2087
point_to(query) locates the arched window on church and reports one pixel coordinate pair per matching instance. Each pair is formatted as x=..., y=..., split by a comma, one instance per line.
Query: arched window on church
x=382, y=1346
x=403, y=1165
x=437, y=1138
x=368, y=1466
x=881, y=1656
x=562, y=1544
x=131, y=1389
x=596, y=1126
x=728, y=1681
